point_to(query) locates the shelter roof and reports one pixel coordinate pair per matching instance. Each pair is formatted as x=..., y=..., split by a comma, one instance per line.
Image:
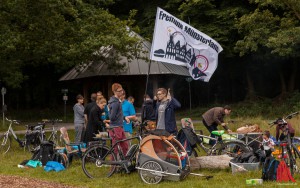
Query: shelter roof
x=137, y=66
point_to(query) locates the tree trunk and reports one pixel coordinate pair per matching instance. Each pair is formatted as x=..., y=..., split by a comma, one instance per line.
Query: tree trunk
x=282, y=84
x=293, y=75
x=251, y=89
x=211, y=162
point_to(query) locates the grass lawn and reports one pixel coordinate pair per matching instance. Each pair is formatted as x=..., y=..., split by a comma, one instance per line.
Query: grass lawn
x=74, y=175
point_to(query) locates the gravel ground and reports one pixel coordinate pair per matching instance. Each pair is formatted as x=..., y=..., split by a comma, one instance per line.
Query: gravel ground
x=23, y=182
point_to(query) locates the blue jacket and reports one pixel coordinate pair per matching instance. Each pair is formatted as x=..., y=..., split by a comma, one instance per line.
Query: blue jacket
x=170, y=121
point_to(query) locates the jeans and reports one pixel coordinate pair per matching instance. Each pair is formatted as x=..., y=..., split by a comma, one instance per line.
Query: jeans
x=210, y=128
x=119, y=134
x=79, y=132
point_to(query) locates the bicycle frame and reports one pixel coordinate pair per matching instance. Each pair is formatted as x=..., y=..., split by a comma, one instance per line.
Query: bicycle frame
x=11, y=131
x=123, y=161
x=286, y=144
x=53, y=136
x=24, y=143
x=222, y=143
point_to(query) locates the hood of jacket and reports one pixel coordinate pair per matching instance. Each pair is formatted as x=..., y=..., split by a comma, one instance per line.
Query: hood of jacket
x=113, y=99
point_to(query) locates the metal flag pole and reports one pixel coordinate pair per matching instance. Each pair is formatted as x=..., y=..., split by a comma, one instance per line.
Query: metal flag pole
x=147, y=80
x=189, y=79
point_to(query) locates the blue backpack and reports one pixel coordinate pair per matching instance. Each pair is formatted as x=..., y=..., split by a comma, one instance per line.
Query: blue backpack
x=269, y=171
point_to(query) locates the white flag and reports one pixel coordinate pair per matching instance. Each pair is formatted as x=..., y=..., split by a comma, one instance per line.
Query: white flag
x=178, y=43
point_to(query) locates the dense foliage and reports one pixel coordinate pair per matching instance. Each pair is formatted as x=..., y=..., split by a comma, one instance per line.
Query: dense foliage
x=41, y=40
x=57, y=34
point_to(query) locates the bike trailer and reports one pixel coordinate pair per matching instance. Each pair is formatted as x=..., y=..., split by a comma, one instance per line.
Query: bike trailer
x=162, y=157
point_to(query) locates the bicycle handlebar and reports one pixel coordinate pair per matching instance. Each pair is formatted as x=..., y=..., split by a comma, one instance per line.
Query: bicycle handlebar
x=13, y=120
x=290, y=116
x=53, y=121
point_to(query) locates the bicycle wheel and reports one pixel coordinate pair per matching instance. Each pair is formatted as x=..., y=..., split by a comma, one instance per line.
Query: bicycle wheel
x=232, y=148
x=94, y=162
x=61, y=158
x=5, y=143
x=289, y=160
x=296, y=157
x=153, y=177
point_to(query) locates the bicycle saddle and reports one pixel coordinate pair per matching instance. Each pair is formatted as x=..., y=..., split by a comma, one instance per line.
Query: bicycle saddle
x=218, y=133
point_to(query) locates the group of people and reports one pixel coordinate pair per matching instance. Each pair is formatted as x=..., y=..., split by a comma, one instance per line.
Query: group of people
x=98, y=114
x=120, y=113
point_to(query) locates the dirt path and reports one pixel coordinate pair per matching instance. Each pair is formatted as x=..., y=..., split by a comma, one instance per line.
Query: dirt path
x=7, y=181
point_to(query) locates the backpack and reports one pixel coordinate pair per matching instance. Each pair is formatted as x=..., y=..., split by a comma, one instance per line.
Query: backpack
x=45, y=153
x=269, y=171
x=245, y=157
x=283, y=173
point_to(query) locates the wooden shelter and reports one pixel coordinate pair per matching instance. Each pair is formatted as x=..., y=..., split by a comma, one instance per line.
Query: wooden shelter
x=96, y=75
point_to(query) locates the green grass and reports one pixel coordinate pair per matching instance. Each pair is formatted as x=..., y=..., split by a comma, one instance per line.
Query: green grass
x=74, y=175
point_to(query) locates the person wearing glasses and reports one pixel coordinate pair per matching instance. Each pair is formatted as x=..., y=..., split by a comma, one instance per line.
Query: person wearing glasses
x=165, y=111
x=116, y=117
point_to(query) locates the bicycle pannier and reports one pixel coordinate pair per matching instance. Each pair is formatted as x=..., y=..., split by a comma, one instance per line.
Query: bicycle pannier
x=45, y=153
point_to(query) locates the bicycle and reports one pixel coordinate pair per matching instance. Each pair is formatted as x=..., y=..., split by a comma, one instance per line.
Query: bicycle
x=221, y=146
x=101, y=161
x=289, y=151
x=54, y=137
x=34, y=135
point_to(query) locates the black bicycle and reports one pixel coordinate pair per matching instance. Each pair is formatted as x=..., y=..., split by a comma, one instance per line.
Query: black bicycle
x=101, y=161
x=54, y=136
x=33, y=137
x=289, y=151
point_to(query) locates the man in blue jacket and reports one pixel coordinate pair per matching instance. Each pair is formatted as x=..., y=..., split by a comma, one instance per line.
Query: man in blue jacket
x=128, y=112
x=165, y=111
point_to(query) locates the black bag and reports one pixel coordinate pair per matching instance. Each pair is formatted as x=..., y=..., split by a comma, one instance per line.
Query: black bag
x=45, y=153
x=245, y=157
x=269, y=171
x=191, y=136
x=31, y=137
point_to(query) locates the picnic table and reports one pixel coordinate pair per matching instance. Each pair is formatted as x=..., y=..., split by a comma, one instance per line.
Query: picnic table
x=250, y=139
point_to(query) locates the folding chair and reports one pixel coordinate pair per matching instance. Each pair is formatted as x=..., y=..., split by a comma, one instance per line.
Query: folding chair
x=71, y=149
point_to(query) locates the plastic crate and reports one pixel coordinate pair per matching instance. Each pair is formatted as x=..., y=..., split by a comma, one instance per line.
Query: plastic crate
x=244, y=167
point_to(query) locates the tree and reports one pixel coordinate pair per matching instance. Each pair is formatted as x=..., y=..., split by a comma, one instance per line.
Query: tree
x=60, y=33
x=274, y=24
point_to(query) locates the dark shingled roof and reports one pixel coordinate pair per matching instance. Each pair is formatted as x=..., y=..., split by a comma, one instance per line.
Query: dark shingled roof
x=135, y=67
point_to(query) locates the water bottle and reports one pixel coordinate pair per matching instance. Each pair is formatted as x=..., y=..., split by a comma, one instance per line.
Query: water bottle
x=254, y=182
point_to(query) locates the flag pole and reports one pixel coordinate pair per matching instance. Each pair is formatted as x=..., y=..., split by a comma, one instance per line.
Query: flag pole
x=147, y=79
x=144, y=98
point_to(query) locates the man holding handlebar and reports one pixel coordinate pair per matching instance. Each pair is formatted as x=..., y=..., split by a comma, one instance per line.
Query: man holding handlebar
x=214, y=117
